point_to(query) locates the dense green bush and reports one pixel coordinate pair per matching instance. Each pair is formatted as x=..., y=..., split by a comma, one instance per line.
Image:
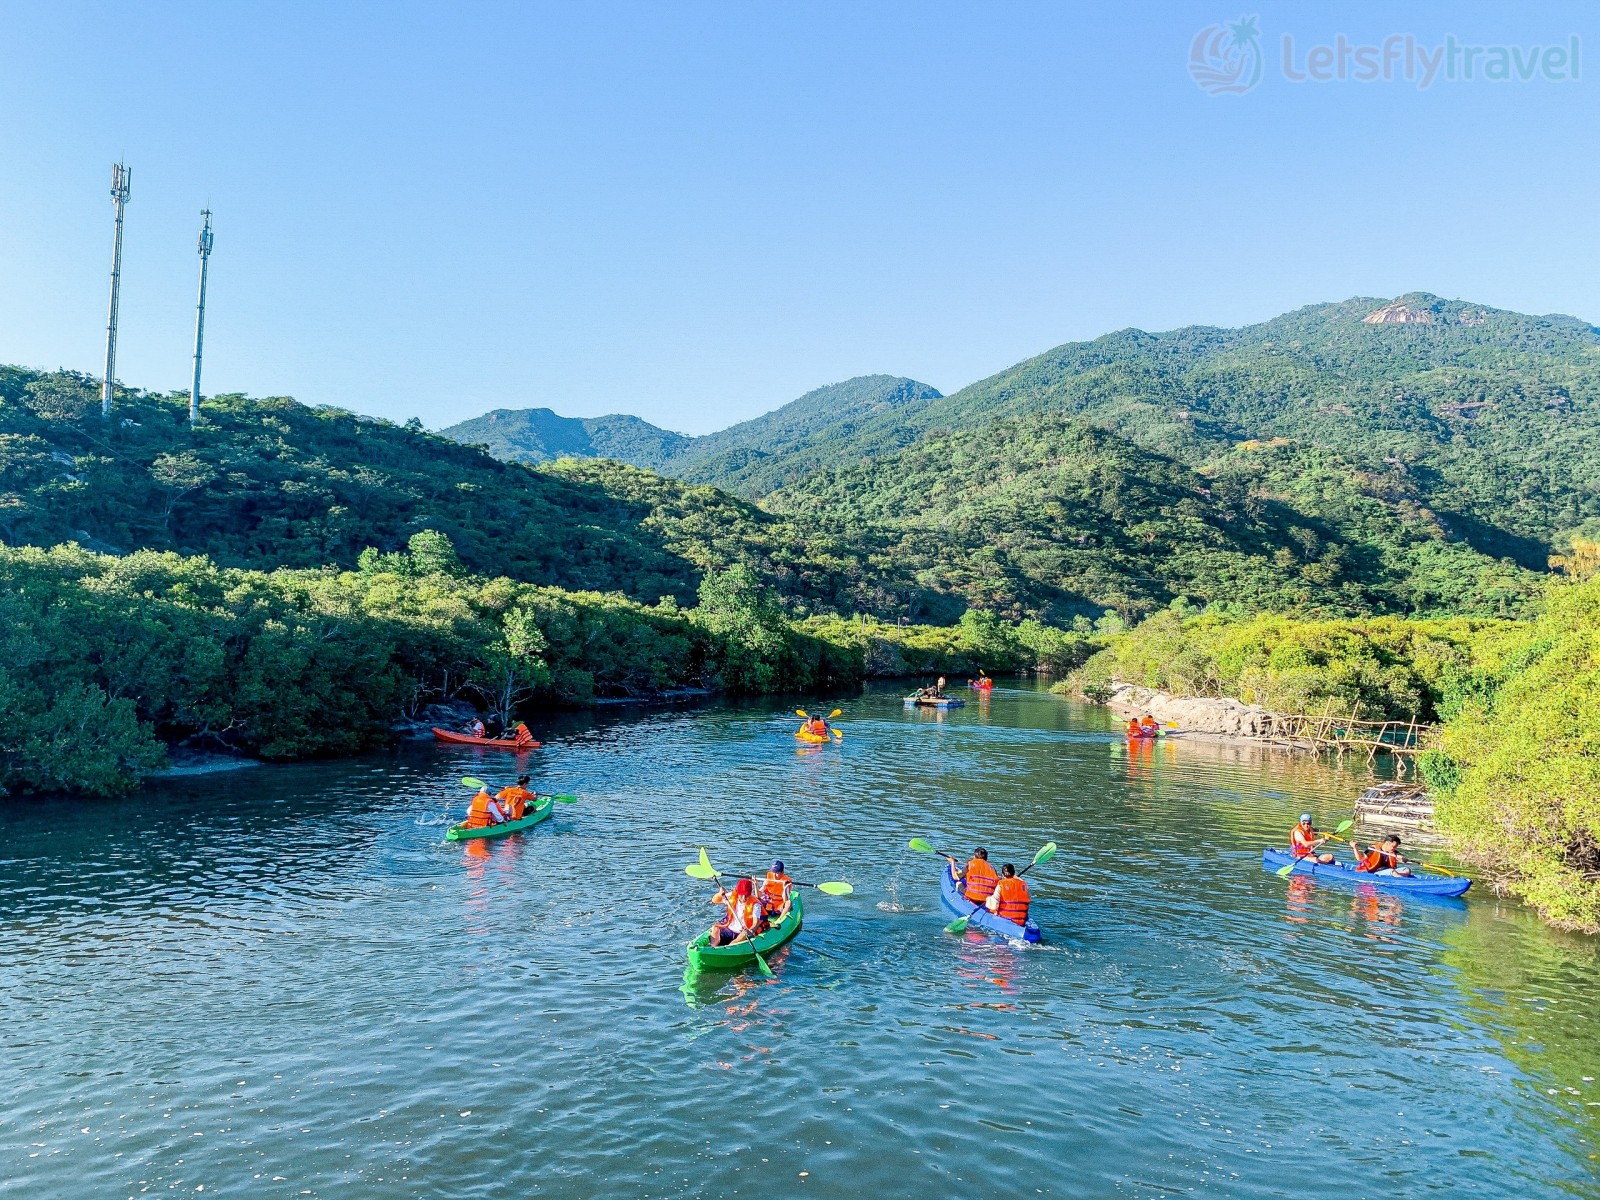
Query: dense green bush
x=1381, y=668
x=1517, y=778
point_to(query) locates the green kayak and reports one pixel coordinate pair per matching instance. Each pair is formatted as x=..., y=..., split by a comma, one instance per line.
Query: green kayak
x=703, y=956
x=541, y=810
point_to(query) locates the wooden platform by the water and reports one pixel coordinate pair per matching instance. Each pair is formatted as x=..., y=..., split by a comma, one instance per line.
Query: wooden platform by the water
x=1342, y=735
x=1396, y=803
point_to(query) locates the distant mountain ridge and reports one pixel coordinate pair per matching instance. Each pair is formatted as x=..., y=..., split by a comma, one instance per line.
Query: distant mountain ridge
x=1487, y=419
x=536, y=435
x=750, y=458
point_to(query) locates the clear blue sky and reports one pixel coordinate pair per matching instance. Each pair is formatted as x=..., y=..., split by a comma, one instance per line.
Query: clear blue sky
x=697, y=211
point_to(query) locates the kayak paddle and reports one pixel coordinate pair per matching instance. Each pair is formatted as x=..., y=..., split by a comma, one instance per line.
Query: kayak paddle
x=476, y=784
x=1046, y=853
x=922, y=847
x=1340, y=828
x=704, y=870
x=827, y=889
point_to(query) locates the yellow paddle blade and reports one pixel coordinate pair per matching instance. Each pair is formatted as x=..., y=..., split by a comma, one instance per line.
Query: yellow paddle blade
x=696, y=871
x=835, y=713
x=800, y=712
x=705, y=860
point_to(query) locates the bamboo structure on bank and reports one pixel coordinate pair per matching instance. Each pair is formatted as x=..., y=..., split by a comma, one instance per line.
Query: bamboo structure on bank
x=1340, y=735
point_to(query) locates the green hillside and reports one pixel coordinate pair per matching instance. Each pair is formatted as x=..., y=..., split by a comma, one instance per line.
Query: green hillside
x=537, y=435
x=780, y=447
x=1049, y=518
x=273, y=483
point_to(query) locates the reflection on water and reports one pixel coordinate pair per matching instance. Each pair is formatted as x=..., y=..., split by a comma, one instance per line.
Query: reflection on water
x=288, y=983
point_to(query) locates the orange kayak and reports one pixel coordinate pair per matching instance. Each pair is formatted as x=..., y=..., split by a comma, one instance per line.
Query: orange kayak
x=466, y=739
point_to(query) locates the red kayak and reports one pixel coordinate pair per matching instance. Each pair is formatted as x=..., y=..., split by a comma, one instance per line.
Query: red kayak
x=466, y=739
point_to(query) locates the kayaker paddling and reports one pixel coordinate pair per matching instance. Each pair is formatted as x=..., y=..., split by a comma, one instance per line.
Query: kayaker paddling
x=1009, y=900
x=776, y=891
x=1385, y=858
x=978, y=878
x=743, y=918
x=484, y=810
x=476, y=729
x=1306, y=842
x=514, y=800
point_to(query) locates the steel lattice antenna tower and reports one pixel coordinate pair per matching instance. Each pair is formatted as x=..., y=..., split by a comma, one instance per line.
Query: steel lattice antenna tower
x=200, y=314
x=121, y=178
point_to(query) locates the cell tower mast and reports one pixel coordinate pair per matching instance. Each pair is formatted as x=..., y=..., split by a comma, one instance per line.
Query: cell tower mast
x=121, y=178
x=200, y=314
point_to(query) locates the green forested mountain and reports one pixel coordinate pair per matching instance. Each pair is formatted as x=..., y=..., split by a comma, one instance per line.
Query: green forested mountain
x=1049, y=518
x=1479, y=424
x=780, y=447
x=273, y=483
x=537, y=435
x=749, y=459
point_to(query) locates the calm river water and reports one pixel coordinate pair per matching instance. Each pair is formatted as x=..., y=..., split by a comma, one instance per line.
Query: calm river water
x=282, y=982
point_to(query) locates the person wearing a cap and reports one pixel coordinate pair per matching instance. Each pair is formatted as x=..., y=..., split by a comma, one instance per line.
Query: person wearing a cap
x=775, y=892
x=1306, y=842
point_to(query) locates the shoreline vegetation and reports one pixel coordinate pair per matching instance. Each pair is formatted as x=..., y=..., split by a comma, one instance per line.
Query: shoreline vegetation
x=1514, y=760
x=107, y=660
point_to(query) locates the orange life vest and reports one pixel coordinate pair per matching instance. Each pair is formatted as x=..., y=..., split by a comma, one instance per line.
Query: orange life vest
x=515, y=801
x=980, y=880
x=1011, y=896
x=743, y=915
x=1301, y=843
x=775, y=890
x=1135, y=729
x=478, y=814
x=1149, y=728
x=522, y=734
x=817, y=727
x=1378, y=860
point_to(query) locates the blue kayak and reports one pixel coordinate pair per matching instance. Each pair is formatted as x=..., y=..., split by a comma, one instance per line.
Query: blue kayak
x=981, y=917
x=1416, y=885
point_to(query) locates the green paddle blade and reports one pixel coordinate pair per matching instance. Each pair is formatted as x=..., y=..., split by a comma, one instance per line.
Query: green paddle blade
x=1046, y=853
x=1285, y=872
x=959, y=925
x=470, y=782
x=696, y=871
x=835, y=889
x=1343, y=827
x=762, y=963
x=564, y=799
x=920, y=846
x=705, y=860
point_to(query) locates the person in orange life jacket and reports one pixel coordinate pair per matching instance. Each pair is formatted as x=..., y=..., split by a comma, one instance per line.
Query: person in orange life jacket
x=1148, y=726
x=484, y=810
x=978, y=879
x=523, y=737
x=817, y=727
x=476, y=729
x=743, y=919
x=514, y=800
x=1384, y=858
x=1009, y=900
x=1135, y=730
x=1304, y=841
x=776, y=890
